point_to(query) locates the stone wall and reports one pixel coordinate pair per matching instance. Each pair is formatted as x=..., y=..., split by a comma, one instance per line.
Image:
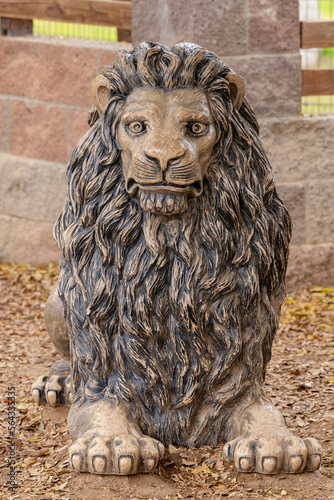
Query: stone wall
x=259, y=39
x=44, y=98
x=45, y=94
x=301, y=153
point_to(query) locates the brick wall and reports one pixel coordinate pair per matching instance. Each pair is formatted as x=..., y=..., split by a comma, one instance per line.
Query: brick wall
x=301, y=152
x=45, y=87
x=44, y=98
x=259, y=39
x=45, y=94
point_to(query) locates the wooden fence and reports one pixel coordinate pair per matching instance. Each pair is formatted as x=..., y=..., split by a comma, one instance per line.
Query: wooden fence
x=99, y=12
x=315, y=34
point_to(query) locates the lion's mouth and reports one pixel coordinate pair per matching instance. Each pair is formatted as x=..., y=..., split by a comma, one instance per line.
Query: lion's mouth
x=196, y=188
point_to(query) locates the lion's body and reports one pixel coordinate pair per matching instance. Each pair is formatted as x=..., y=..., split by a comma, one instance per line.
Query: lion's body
x=174, y=315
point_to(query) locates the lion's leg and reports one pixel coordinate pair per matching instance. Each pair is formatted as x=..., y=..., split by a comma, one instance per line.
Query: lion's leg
x=56, y=325
x=55, y=388
x=258, y=440
x=107, y=440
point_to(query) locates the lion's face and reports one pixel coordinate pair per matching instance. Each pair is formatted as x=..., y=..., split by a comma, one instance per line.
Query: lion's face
x=166, y=139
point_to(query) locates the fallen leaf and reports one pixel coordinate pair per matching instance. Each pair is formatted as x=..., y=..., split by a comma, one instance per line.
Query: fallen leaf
x=188, y=463
x=172, y=448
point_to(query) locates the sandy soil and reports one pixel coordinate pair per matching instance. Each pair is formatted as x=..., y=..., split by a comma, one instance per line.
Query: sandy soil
x=300, y=380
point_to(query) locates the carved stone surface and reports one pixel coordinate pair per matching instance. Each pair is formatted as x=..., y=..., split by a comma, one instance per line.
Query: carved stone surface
x=174, y=251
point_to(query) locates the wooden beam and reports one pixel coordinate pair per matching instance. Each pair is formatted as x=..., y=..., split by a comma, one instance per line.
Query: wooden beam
x=15, y=27
x=100, y=12
x=124, y=35
x=318, y=82
x=316, y=34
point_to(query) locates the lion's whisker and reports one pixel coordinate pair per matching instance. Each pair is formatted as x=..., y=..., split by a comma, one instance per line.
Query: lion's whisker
x=144, y=169
x=149, y=163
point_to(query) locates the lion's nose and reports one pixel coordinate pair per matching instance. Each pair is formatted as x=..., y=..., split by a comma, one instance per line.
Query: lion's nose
x=164, y=157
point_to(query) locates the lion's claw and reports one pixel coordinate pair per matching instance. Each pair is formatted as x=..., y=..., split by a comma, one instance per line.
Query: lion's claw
x=77, y=462
x=274, y=454
x=149, y=464
x=314, y=454
x=52, y=390
x=122, y=455
x=245, y=464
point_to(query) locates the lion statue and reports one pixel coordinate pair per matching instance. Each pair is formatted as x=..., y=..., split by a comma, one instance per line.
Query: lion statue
x=174, y=251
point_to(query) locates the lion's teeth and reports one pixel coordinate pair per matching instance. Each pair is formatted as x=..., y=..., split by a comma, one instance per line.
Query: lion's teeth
x=164, y=208
x=161, y=203
x=152, y=197
x=149, y=204
x=170, y=203
x=159, y=199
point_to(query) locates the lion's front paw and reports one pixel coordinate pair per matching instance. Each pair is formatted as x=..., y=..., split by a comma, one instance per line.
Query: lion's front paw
x=121, y=454
x=272, y=454
x=52, y=390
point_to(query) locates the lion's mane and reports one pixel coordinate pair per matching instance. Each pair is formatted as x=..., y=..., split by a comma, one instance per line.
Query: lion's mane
x=173, y=316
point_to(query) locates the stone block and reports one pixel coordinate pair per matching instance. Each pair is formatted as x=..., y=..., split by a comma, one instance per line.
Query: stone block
x=310, y=265
x=4, y=239
x=78, y=127
x=68, y=72
x=32, y=242
x=273, y=83
x=273, y=26
x=319, y=212
x=19, y=67
x=2, y=187
x=38, y=130
x=300, y=149
x=293, y=196
x=4, y=123
x=32, y=189
x=216, y=25
x=57, y=70
x=108, y=53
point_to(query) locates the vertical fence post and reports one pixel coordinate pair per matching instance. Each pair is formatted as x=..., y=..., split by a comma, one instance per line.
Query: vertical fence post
x=15, y=27
x=122, y=34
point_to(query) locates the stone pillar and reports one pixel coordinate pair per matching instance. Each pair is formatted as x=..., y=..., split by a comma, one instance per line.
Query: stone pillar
x=257, y=38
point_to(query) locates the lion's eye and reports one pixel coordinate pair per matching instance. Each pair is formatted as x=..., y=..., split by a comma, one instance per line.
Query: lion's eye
x=197, y=128
x=137, y=127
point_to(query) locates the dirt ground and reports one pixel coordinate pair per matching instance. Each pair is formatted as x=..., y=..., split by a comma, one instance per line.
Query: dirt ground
x=300, y=380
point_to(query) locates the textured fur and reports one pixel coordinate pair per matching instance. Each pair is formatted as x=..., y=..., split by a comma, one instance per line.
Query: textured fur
x=173, y=314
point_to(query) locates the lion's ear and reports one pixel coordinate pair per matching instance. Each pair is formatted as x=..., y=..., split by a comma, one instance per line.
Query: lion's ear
x=237, y=89
x=101, y=93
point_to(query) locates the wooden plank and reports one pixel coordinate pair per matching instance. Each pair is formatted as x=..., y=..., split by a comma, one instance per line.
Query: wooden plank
x=15, y=27
x=124, y=35
x=318, y=82
x=317, y=34
x=100, y=12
